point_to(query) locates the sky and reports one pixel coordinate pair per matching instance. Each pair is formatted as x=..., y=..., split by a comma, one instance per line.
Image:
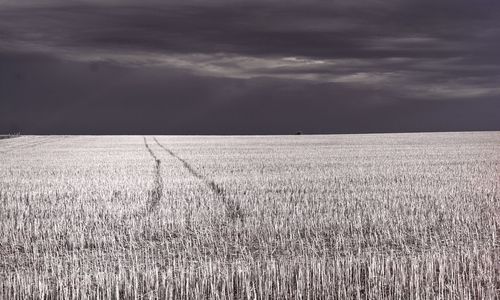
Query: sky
x=248, y=67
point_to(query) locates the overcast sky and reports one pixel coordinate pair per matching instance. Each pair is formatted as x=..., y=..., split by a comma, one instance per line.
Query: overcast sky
x=248, y=67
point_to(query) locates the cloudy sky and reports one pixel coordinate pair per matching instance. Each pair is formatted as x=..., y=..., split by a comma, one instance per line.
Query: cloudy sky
x=248, y=67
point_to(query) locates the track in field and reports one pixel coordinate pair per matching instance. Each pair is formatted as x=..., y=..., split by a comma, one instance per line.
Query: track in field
x=154, y=195
x=29, y=144
x=233, y=207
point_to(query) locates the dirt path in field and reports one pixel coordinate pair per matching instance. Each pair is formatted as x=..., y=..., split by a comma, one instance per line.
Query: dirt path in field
x=154, y=195
x=233, y=207
x=29, y=144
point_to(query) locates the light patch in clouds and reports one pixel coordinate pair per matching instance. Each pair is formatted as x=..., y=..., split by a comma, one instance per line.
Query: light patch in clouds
x=405, y=76
x=404, y=79
x=218, y=64
x=453, y=91
x=366, y=78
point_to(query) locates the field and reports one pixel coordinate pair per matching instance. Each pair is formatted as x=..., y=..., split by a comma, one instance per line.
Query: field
x=395, y=216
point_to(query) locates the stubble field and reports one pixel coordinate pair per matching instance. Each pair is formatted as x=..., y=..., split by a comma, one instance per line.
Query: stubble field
x=411, y=216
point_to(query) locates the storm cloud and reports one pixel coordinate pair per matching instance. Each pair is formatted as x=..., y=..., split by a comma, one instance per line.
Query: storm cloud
x=249, y=67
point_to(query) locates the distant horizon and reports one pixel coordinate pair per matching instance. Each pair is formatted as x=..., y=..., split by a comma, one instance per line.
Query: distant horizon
x=236, y=134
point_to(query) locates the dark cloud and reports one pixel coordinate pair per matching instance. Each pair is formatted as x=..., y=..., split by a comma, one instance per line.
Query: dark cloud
x=367, y=30
x=248, y=67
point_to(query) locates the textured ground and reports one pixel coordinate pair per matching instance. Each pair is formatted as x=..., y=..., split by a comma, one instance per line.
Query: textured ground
x=333, y=216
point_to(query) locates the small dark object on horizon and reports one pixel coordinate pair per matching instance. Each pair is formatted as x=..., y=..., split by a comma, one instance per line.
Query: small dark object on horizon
x=298, y=133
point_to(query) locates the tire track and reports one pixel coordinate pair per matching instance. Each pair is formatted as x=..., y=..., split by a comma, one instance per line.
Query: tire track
x=29, y=144
x=155, y=194
x=234, y=211
x=22, y=144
